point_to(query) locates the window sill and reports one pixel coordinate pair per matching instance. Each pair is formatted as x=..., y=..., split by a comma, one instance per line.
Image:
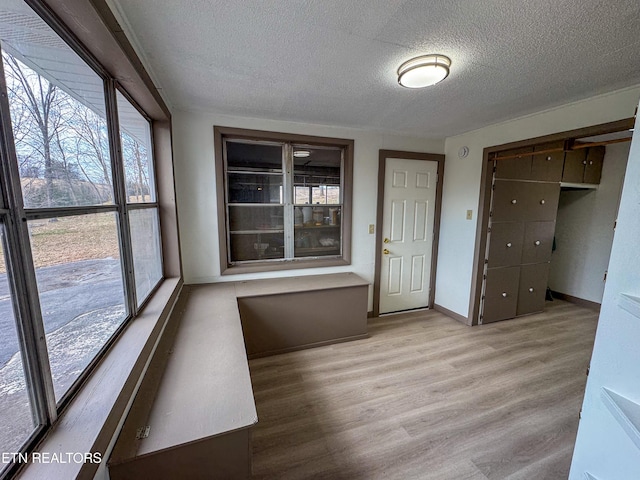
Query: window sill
x=93, y=417
x=284, y=265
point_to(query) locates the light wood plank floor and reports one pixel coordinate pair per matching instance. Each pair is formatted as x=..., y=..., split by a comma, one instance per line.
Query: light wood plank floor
x=426, y=397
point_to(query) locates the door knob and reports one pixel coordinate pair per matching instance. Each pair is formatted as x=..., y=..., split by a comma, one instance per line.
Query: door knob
x=386, y=251
x=542, y=202
x=504, y=294
x=386, y=240
x=509, y=245
x=537, y=243
x=531, y=290
x=514, y=201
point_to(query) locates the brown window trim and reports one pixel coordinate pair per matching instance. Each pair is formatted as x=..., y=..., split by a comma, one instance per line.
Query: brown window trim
x=220, y=132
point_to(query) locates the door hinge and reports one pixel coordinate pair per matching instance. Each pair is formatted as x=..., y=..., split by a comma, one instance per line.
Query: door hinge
x=484, y=277
x=143, y=432
x=605, y=277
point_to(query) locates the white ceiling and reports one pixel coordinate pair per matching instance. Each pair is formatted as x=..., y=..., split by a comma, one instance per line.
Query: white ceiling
x=334, y=61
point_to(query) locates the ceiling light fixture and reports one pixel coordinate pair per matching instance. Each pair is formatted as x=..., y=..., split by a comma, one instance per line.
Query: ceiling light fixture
x=423, y=71
x=301, y=153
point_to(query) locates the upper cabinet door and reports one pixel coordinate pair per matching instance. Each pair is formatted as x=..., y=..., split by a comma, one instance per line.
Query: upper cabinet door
x=547, y=167
x=518, y=168
x=593, y=167
x=574, y=162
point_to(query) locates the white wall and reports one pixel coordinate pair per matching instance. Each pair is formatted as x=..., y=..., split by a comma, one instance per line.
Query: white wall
x=195, y=189
x=584, y=231
x=462, y=182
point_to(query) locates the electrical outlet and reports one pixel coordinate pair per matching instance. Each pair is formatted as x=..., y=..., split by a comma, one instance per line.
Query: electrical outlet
x=469, y=214
x=372, y=229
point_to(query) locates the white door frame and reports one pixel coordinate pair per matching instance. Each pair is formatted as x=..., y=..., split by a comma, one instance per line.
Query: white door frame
x=382, y=165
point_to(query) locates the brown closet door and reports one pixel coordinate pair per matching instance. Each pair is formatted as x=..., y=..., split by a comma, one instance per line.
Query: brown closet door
x=548, y=166
x=505, y=244
x=541, y=202
x=574, y=163
x=532, y=288
x=593, y=167
x=501, y=294
x=515, y=168
x=538, y=241
x=509, y=201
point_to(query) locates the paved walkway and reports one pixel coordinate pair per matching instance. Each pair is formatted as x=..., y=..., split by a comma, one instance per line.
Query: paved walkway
x=82, y=305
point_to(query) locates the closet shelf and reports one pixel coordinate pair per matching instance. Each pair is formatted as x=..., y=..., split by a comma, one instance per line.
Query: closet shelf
x=630, y=303
x=578, y=186
x=625, y=411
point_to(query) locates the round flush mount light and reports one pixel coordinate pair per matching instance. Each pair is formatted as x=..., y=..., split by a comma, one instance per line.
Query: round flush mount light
x=424, y=71
x=301, y=153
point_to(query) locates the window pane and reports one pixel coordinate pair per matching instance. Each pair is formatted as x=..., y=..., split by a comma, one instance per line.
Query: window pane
x=79, y=277
x=253, y=157
x=256, y=232
x=57, y=111
x=257, y=217
x=320, y=172
x=319, y=233
x=256, y=246
x=15, y=407
x=145, y=244
x=255, y=188
x=135, y=136
x=302, y=195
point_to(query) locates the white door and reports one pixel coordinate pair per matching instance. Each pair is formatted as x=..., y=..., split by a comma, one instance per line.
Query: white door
x=407, y=230
x=608, y=441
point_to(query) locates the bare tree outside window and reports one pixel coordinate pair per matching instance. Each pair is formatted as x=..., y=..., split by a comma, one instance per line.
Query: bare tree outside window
x=62, y=145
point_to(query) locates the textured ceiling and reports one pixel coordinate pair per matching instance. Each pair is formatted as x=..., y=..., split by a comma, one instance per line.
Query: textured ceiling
x=334, y=61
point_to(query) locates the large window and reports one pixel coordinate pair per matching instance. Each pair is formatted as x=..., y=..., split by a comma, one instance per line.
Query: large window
x=79, y=220
x=286, y=200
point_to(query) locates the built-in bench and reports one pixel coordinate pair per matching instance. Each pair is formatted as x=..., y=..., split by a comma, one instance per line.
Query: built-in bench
x=195, y=408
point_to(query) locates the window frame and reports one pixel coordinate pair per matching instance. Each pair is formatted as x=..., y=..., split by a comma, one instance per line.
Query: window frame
x=20, y=267
x=222, y=133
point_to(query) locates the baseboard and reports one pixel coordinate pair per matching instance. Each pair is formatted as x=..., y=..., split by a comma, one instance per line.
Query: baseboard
x=370, y=314
x=449, y=313
x=307, y=346
x=578, y=301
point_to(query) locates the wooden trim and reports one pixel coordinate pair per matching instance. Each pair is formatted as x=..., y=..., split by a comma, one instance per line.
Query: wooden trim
x=568, y=148
x=219, y=133
x=576, y=300
x=370, y=314
x=600, y=129
x=382, y=165
x=449, y=313
x=579, y=145
x=93, y=25
x=485, y=194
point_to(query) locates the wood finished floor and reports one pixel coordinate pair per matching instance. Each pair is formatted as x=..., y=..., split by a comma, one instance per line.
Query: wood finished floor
x=426, y=397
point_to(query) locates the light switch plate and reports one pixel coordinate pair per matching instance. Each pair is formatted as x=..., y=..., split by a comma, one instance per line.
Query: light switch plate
x=372, y=228
x=469, y=214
